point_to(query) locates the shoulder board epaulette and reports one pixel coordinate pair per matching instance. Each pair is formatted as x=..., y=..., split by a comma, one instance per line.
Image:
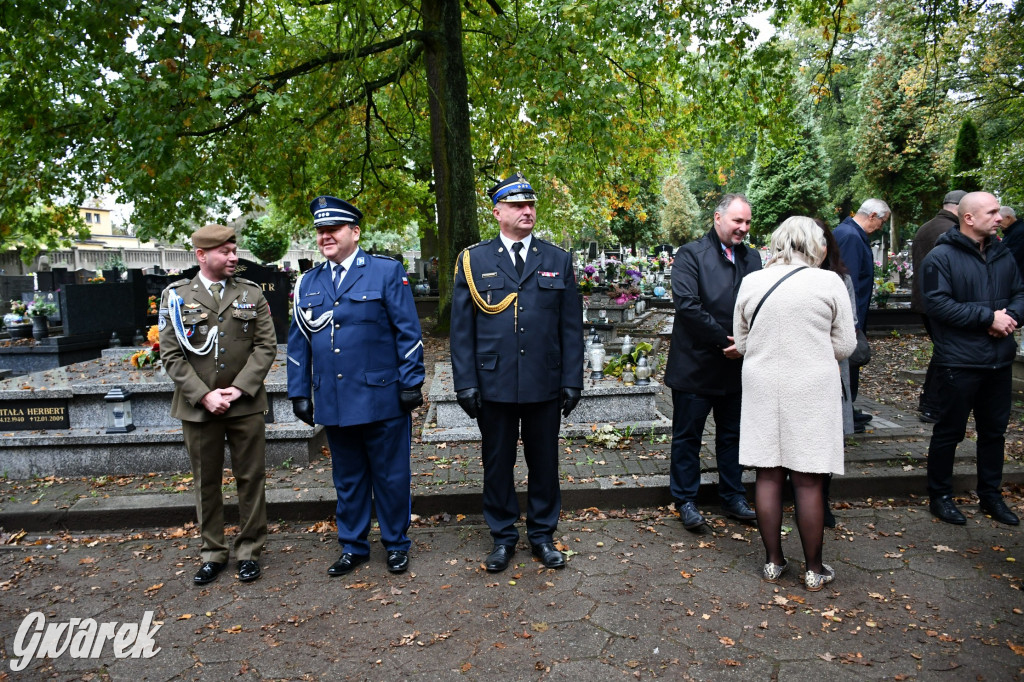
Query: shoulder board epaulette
x=180, y=282
x=242, y=280
x=380, y=255
x=479, y=244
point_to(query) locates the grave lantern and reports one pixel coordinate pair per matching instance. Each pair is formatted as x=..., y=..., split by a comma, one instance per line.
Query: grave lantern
x=597, y=361
x=119, y=410
x=643, y=370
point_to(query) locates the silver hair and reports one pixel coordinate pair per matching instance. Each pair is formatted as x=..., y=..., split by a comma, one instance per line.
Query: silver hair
x=727, y=200
x=876, y=206
x=798, y=235
x=1008, y=212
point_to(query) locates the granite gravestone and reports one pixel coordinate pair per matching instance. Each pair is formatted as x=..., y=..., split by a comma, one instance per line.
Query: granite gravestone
x=276, y=285
x=55, y=279
x=13, y=288
x=99, y=310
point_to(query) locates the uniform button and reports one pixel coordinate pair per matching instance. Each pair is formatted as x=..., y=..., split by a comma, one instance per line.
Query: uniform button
x=520, y=288
x=522, y=331
x=222, y=333
x=220, y=319
x=222, y=365
x=339, y=376
x=337, y=325
x=336, y=303
x=522, y=351
x=521, y=308
x=337, y=350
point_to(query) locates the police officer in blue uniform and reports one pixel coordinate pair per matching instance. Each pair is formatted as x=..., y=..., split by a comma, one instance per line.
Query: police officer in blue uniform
x=517, y=359
x=355, y=365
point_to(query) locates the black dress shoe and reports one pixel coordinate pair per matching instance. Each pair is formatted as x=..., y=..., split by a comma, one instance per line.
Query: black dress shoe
x=248, y=570
x=548, y=555
x=347, y=563
x=997, y=509
x=945, y=509
x=861, y=417
x=398, y=560
x=497, y=560
x=688, y=514
x=208, y=572
x=928, y=417
x=739, y=509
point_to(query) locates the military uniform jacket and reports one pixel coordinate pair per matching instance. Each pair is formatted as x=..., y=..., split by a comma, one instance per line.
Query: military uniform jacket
x=372, y=348
x=246, y=340
x=524, y=359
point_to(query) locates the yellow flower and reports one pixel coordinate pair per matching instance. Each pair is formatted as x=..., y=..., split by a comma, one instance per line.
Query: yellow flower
x=153, y=335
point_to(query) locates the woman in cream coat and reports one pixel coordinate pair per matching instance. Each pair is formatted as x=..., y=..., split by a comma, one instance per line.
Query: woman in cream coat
x=792, y=415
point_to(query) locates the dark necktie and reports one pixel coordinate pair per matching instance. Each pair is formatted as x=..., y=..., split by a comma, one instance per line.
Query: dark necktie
x=336, y=275
x=215, y=292
x=520, y=263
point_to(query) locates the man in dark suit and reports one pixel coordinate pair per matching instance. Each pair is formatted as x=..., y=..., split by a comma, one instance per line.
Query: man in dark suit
x=217, y=343
x=924, y=241
x=703, y=364
x=517, y=358
x=355, y=365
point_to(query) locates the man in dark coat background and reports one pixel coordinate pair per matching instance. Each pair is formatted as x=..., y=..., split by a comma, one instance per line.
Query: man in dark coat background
x=975, y=300
x=853, y=237
x=704, y=368
x=517, y=360
x=924, y=242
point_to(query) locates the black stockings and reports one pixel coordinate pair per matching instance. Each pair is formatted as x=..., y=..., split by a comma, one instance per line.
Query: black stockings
x=809, y=492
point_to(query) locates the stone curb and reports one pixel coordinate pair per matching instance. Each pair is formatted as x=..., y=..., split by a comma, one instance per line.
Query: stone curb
x=317, y=504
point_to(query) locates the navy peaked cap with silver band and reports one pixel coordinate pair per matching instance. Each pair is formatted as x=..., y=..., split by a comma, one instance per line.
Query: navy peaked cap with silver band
x=333, y=211
x=513, y=188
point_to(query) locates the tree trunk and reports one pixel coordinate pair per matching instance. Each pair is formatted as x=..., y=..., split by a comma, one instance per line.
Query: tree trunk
x=451, y=151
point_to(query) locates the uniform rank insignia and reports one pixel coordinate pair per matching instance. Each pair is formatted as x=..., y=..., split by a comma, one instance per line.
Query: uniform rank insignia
x=243, y=306
x=360, y=261
x=489, y=274
x=549, y=274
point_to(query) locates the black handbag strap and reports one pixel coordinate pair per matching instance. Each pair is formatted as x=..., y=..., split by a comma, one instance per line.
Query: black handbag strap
x=769, y=293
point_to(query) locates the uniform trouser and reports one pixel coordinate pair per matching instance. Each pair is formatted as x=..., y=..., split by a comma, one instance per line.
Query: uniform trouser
x=959, y=391
x=689, y=414
x=371, y=466
x=929, y=401
x=500, y=425
x=246, y=437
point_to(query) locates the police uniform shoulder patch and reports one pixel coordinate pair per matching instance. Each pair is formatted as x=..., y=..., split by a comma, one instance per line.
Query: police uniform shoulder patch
x=381, y=255
x=486, y=241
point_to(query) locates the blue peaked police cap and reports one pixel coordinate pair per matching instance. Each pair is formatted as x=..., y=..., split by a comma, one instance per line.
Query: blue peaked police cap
x=513, y=188
x=328, y=210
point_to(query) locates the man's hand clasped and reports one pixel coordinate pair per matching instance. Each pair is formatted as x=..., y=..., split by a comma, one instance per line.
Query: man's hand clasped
x=219, y=400
x=410, y=398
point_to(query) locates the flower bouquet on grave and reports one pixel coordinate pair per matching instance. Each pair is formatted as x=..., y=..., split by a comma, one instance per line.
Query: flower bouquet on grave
x=150, y=355
x=623, y=295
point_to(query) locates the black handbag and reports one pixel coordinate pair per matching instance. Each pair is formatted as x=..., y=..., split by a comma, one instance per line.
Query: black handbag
x=862, y=355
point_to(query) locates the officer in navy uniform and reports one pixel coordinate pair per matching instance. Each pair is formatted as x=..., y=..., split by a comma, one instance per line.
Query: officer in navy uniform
x=355, y=365
x=517, y=358
x=217, y=344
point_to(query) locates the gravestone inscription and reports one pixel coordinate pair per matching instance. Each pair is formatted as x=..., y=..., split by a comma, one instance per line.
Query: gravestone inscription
x=34, y=415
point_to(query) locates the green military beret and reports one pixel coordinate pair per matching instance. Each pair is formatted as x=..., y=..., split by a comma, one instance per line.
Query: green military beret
x=211, y=236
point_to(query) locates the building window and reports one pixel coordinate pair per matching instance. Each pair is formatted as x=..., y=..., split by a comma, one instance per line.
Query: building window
x=88, y=217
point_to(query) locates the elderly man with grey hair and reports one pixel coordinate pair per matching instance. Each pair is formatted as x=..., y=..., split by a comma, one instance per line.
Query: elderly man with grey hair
x=853, y=236
x=1013, y=235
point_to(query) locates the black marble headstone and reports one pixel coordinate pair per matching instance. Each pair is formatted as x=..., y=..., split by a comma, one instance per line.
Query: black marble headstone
x=592, y=251
x=12, y=288
x=55, y=279
x=305, y=264
x=276, y=285
x=101, y=309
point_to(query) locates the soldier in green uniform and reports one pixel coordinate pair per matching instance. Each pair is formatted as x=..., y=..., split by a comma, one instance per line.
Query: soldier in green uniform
x=217, y=343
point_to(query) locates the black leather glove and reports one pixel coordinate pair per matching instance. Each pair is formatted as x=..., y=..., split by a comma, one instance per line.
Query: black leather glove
x=570, y=398
x=303, y=409
x=469, y=401
x=410, y=398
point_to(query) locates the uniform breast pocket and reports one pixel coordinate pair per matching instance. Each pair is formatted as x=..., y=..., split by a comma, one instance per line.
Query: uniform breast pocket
x=244, y=321
x=195, y=322
x=310, y=304
x=551, y=289
x=367, y=307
